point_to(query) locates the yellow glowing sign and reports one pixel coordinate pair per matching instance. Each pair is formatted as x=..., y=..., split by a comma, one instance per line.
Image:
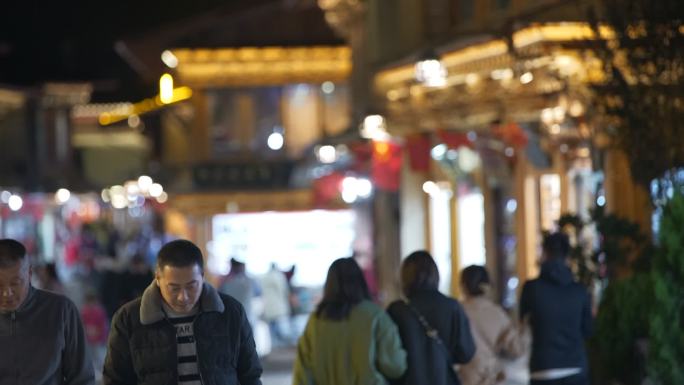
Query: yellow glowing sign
x=248, y=66
x=166, y=88
x=144, y=106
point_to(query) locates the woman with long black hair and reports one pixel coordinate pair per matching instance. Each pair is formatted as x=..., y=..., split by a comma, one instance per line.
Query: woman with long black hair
x=349, y=339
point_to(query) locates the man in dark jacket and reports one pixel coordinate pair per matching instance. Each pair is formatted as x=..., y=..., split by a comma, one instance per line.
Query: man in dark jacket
x=41, y=334
x=558, y=310
x=182, y=331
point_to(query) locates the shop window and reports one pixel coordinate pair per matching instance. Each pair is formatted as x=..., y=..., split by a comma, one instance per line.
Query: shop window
x=308, y=240
x=550, y=200
x=241, y=120
x=440, y=233
x=471, y=236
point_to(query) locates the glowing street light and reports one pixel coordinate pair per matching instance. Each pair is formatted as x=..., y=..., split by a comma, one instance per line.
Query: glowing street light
x=156, y=190
x=374, y=127
x=430, y=70
x=327, y=154
x=169, y=59
x=275, y=141
x=144, y=183
x=430, y=188
x=166, y=88
x=354, y=188
x=62, y=196
x=439, y=151
x=15, y=202
x=349, y=196
x=526, y=78
x=364, y=187
x=163, y=197
x=328, y=87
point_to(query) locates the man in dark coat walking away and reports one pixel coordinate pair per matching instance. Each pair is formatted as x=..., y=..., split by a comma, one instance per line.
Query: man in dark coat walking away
x=181, y=331
x=558, y=310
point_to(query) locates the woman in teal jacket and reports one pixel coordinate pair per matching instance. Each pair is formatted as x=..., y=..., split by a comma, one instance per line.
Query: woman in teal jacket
x=348, y=340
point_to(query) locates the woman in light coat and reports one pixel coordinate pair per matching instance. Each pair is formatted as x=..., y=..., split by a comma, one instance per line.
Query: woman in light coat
x=495, y=335
x=349, y=339
x=276, y=306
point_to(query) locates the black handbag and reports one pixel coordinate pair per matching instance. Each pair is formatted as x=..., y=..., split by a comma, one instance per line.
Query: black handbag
x=433, y=335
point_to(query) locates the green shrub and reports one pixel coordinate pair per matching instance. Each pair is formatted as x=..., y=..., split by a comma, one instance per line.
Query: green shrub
x=622, y=321
x=666, y=331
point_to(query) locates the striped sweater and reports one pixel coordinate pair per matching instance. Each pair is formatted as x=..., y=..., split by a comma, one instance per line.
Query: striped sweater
x=188, y=370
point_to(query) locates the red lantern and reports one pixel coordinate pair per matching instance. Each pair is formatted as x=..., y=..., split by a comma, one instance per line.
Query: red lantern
x=454, y=139
x=512, y=134
x=418, y=147
x=327, y=188
x=386, y=166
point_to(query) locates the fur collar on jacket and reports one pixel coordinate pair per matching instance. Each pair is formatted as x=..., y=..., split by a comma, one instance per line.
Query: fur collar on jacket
x=151, y=303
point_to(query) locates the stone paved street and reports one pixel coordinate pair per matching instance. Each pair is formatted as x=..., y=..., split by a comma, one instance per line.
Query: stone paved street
x=278, y=369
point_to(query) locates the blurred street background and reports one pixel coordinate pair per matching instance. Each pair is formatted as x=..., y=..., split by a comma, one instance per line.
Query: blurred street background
x=280, y=135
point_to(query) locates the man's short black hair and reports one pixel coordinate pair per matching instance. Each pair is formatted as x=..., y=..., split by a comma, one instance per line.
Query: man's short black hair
x=11, y=252
x=556, y=245
x=180, y=253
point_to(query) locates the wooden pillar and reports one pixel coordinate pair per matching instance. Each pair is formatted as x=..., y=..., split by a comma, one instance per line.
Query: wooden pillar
x=200, y=231
x=200, y=137
x=560, y=168
x=201, y=235
x=455, y=289
x=426, y=218
x=624, y=198
x=493, y=259
x=349, y=18
x=386, y=243
x=526, y=219
x=414, y=207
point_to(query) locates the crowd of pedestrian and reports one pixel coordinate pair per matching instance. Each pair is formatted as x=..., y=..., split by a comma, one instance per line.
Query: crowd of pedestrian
x=180, y=329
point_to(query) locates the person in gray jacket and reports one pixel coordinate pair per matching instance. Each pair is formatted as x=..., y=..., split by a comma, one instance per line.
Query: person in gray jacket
x=41, y=335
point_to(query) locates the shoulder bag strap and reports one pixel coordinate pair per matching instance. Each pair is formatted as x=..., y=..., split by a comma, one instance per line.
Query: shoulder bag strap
x=433, y=334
